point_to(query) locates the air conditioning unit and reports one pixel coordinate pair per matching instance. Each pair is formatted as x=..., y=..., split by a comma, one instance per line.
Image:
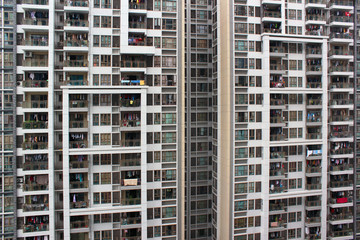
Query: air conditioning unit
x=28, y=54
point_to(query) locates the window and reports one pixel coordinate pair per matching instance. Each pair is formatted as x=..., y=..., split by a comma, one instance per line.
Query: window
x=105, y=197
x=105, y=119
x=96, y=21
x=105, y=41
x=95, y=119
x=105, y=21
x=96, y=41
x=96, y=179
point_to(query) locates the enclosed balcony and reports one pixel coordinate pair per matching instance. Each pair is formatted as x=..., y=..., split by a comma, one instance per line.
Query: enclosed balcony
x=313, y=202
x=35, y=162
x=313, y=217
x=78, y=140
x=35, y=80
x=78, y=222
x=313, y=167
x=36, y=18
x=278, y=170
x=271, y=27
x=340, y=214
x=78, y=120
x=340, y=148
x=137, y=21
x=76, y=20
x=79, y=200
x=36, y=203
x=76, y=61
x=131, y=159
x=128, y=61
x=35, y=101
x=271, y=11
x=137, y=4
x=36, y=224
x=130, y=178
x=130, y=197
x=278, y=205
x=277, y=220
x=313, y=133
x=78, y=161
x=313, y=183
x=341, y=181
x=35, y=60
x=36, y=183
x=313, y=82
x=78, y=180
x=35, y=142
x=341, y=197
x=76, y=40
x=278, y=186
x=78, y=101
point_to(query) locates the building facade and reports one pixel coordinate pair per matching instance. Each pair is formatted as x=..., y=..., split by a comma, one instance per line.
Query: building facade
x=167, y=119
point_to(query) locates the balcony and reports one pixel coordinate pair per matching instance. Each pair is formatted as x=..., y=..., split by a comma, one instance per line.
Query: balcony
x=343, y=167
x=78, y=144
x=277, y=172
x=341, y=216
x=76, y=224
x=338, y=35
x=314, y=203
x=341, y=3
x=130, y=162
x=313, y=136
x=313, y=68
x=310, y=169
x=278, y=137
x=314, y=102
x=315, y=17
x=314, y=51
x=131, y=182
x=130, y=201
x=277, y=224
x=340, y=52
x=312, y=236
x=272, y=14
x=315, y=1
x=137, y=24
x=343, y=233
x=340, y=85
x=342, y=134
x=312, y=220
x=35, y=125
x=341, y=69
x=277, y=120
x=341, y=200
x=35, y=207
x=130, y=103
x=336, y=118
x=33, y=166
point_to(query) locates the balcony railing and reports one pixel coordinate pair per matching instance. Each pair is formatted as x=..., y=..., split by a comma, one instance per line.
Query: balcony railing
x=132, y=64
x=341, y=19
x=341, y=35
x=36, y=21
x=36, y=227
x=131, y=182
x=341, y=184
x=137, y=25
x=341, y=3
x=315, y=203
x=35, y=83
x=341, y=118
x=340, y=85
x=313, y=51
x=340, y=200
x=77, y=83
x=277, y=120
x=76, y=23
x=79, y=164
x=35, y=207
x=314, y=17
x=277, y=137
x=77, y=3
x=272, y=14
x=344, y=134
x=130, y=162
x=130, y=103
x=277, y=206
x=35, y=125
x=342, y=233
x=277, y=190
x=35, y=42
x=29, y=187
x=79, y=204
x=315, y=1
x=78, y=103
x=313, y=102
x=314, y=68
x=79, y=144
x=313, y=219
x=76, y=63
x=277, y=49
x=131, y=201
x=79, y=224
x=34, y=145
x=341, y=69
x=313, y=85
x=78, y=124
x=33, y=62
x=135, y=5
x=277, y=67
x=335, y=52
x=275, y=155
x=313, y=136
x=34, y=104
x=341, y=216
x=129, y=220
x=76, y=43
x=36, y=2
x=344, y=167
x=279, y=172
x=78, y=184
x=276, y=224
x=31, y=166
x=313, y=170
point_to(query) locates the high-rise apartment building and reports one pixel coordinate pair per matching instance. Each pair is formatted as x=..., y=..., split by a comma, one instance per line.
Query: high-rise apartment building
x=169, y=119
